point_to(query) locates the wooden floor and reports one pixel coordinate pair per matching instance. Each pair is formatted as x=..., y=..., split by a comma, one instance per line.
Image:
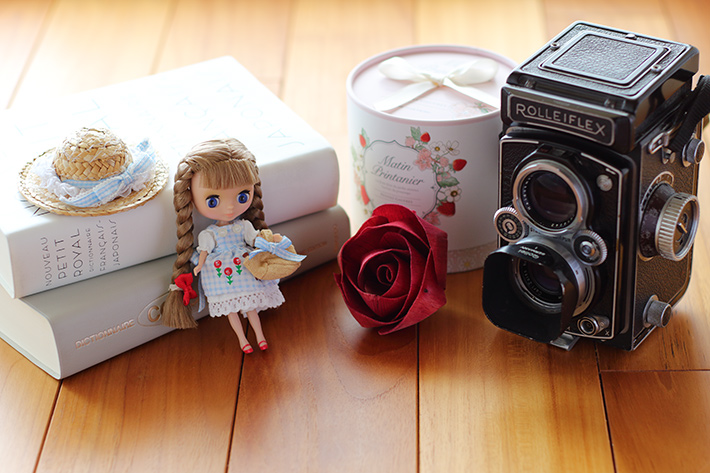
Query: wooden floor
x=454, y=394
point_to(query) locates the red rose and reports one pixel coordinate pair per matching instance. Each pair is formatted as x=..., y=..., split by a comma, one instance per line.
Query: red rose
x=237, y=261
x=393, y=270
x=217, y=264
x=228, y=271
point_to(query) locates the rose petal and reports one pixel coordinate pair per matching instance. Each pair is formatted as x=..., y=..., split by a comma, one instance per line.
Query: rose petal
x=409, y=282
x=354, y=252
x=359, y=309
x=385, y=301
x=368, y=277
x=377, y=277
x=362, y=313
x=407, y=219
x=382, y=308
x=386, y=272
x=404, y=218
x=393, y=305
x=431, y=296
x=362, y=300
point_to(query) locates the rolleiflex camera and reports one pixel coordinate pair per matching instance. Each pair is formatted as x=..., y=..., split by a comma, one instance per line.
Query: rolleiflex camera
x=598, y=177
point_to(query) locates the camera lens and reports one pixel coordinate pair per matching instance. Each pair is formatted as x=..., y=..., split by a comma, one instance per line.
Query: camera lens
x=548, y=199
x=535, y=286
x=539, y=284
x=550, y=195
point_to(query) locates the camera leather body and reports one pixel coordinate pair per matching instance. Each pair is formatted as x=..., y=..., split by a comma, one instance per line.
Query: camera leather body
x=597, y=203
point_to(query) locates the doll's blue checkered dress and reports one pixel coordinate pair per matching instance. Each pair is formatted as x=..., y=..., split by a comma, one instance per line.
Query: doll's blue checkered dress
x=224, y=281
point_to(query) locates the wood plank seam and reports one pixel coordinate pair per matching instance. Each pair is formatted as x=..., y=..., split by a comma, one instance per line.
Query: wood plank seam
x=39, y=39
x=234, y=415
x=164, y=34
x=49, y=423
x=606, y=408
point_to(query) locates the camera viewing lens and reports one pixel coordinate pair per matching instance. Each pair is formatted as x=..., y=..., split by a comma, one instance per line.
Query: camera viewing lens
x=549, y=200
x=550, y=195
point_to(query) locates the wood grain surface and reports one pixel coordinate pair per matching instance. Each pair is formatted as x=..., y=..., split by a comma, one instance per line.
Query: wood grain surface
x=453, y=394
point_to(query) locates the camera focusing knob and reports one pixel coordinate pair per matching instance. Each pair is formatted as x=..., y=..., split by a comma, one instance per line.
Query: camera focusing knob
x=669, y=223
x=508, y=224
x=590, y=248
x=677, y=225
x=657, y=313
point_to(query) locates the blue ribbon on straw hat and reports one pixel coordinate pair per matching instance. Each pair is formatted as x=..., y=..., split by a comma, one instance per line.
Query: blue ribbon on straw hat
x=93, y=172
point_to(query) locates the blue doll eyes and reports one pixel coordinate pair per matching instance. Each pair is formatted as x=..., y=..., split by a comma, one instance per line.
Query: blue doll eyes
x=212, y=201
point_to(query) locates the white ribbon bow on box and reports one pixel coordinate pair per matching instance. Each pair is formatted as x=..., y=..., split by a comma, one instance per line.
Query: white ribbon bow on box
x=459, y=79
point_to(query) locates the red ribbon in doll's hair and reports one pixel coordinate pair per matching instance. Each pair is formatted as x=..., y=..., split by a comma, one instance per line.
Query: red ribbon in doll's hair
x=184, y=282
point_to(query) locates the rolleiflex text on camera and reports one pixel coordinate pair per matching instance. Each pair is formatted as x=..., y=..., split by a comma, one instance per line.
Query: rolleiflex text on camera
x=598, y=176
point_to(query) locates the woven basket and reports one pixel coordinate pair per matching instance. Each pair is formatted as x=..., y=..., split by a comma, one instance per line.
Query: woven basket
x=267, y=266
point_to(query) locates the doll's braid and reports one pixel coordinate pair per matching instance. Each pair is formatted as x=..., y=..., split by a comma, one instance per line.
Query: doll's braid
x=255, y=212
x=175, y=313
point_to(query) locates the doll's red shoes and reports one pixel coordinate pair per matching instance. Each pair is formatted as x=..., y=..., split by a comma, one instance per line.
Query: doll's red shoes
x=248, y=349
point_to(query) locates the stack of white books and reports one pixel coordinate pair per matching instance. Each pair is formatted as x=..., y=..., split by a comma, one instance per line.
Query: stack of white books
x=79, y=290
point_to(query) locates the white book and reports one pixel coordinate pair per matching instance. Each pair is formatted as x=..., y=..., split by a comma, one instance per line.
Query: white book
x=175, y=110
x=71, y=328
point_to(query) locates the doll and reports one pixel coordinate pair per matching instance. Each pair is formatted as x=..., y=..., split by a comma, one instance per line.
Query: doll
x=220, y=179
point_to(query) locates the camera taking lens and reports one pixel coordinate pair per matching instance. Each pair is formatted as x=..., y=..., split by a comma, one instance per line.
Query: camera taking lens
x=598, y=177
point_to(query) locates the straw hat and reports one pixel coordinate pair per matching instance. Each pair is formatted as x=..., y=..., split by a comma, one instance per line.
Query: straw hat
x=93, y=173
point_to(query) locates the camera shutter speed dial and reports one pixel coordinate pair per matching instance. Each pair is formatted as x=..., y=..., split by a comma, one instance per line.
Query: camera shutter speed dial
x=508, y=224
x=669, y=223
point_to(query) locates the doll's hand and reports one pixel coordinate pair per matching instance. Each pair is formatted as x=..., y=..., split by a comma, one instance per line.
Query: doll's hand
x=200, y=262
x=275, y=237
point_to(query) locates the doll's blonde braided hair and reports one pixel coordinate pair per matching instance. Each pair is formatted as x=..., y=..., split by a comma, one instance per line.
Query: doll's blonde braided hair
x=222, y=164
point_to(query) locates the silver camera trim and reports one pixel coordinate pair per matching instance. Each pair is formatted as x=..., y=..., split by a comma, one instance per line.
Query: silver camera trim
x=584, y=279
x=561, y=234
x=570, y=178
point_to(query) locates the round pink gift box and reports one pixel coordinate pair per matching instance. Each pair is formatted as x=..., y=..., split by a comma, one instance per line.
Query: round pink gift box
x=436, y=154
